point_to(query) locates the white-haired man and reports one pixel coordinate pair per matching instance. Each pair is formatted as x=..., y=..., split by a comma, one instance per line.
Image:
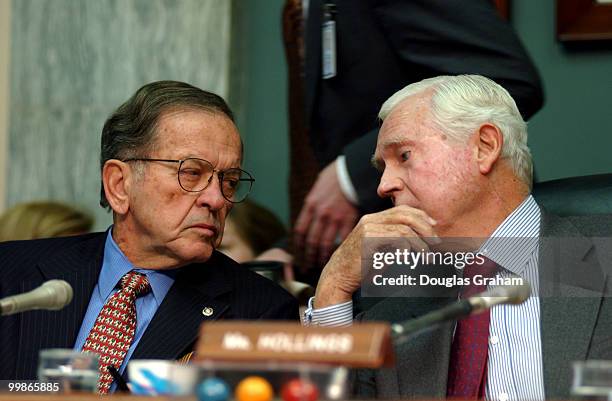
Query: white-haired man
x=455, y=162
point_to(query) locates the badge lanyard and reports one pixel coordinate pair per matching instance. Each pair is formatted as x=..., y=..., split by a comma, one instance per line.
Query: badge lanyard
x=328, y=36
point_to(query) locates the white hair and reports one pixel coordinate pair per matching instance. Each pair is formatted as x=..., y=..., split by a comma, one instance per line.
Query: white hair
x=460, y=104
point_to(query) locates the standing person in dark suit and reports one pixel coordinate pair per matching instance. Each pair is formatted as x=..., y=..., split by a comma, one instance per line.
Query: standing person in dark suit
x=454, y=160
x=380, y=47
x=170, y=168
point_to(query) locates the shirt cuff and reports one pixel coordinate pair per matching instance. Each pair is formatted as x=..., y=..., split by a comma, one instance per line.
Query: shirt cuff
x=346, y=185
x=331, y=316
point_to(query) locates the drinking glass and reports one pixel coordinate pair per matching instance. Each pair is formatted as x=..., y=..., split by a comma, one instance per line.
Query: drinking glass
x=593, y=380
x=72, y=370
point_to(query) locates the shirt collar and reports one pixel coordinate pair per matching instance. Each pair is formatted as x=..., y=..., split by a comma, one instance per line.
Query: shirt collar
x=515, y=240
x=116, y=265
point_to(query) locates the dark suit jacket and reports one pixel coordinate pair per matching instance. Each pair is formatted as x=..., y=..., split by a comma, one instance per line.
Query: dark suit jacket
x=576, y=317
x=384, y=45
x=221, y=284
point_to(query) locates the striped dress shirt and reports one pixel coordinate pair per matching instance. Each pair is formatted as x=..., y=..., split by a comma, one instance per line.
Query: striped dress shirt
x=515, y=370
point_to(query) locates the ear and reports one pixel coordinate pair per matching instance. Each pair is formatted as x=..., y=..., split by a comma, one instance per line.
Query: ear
x=116, y=177
x=489, y=141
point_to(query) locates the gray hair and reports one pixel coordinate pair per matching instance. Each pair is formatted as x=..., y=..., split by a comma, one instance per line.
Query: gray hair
x=130, y=130
x=460, y=104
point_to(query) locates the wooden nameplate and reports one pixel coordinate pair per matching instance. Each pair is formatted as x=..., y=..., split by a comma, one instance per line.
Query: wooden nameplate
x=363, y=345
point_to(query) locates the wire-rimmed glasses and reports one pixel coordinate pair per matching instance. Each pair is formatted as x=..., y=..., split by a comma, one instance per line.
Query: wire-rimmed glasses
x=194, y=175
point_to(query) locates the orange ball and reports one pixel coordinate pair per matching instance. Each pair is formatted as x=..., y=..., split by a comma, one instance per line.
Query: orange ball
x=254, y=388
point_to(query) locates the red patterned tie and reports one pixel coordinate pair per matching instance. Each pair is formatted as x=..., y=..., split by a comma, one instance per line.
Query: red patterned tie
x=114, y=328
x=468, y=361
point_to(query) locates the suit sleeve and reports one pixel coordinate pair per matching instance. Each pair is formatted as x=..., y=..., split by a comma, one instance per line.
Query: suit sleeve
x=362, y=382
x=461, y=37
x=446, y=37
x=286, y=309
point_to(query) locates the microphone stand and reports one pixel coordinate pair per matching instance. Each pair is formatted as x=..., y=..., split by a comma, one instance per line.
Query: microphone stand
x=402, y=332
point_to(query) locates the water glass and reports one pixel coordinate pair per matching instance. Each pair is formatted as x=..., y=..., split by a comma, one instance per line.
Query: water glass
x=592, y=380
x=74, y=371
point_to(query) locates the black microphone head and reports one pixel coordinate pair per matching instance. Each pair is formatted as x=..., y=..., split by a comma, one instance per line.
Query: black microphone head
x=61, y=293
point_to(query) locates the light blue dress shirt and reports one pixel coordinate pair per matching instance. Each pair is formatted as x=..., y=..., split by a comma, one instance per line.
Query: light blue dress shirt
x=114, y=266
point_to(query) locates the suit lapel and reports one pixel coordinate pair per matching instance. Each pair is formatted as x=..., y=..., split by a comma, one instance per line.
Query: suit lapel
x=195, y=297
x=79, y=266
x=422, y=360
x=422, y=371
x=571, y=284
x=312, y=62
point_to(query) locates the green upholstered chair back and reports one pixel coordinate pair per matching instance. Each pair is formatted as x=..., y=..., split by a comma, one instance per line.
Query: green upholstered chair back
x=576, y=196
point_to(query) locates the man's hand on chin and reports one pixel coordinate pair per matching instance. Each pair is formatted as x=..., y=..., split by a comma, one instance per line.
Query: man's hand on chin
x=342, y=274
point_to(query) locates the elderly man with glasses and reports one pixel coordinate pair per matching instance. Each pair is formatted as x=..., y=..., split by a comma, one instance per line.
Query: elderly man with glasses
x=170, y=167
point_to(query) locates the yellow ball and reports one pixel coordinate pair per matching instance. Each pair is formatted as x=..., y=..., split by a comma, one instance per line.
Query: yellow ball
x=254, y=388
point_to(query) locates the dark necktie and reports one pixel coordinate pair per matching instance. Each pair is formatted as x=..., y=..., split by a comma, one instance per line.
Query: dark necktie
x=113, y=331
x=468, y=361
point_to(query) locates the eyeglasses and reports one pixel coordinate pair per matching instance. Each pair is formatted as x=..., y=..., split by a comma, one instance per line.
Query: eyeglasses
x=194, y=175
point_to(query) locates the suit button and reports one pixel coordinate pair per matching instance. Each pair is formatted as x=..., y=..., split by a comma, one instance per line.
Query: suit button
x=208, y=311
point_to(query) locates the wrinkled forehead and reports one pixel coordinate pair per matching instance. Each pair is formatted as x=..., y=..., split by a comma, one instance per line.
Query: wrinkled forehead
x=394, y=141
x=406, y=122
x=197, y=130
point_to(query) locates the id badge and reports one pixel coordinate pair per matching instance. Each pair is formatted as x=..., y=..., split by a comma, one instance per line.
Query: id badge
x=328, y=48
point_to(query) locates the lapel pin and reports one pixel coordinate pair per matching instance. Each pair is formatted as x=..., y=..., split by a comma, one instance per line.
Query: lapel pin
x=207, y=311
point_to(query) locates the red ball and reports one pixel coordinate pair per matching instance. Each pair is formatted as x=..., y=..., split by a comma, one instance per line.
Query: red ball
x=299, y=390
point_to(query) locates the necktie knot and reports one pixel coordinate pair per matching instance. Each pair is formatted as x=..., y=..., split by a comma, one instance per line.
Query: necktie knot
x=486, y=269
x=136, y=283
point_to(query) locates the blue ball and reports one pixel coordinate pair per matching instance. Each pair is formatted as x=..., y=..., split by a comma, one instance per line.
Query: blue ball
x=213, y=389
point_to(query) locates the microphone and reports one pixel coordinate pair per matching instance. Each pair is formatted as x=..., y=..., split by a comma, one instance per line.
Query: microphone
x=507, y=294
x=52, y=295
